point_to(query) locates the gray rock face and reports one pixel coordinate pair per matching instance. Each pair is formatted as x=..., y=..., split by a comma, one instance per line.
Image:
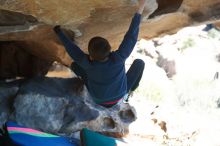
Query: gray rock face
x=39, y=111
x=14, y=18
x=7, y=94
x=168, y=65
x=49, y=104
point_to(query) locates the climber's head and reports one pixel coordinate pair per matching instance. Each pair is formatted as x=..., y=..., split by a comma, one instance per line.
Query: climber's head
x=99, y=48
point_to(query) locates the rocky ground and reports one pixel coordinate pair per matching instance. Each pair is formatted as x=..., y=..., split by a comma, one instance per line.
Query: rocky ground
x=171, y=125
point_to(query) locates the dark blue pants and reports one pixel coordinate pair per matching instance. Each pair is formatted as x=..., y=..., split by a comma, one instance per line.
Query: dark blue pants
x=134, y=73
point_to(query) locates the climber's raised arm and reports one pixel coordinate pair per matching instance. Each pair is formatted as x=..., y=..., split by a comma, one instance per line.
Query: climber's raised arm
x=131, y=36
x=72, y=49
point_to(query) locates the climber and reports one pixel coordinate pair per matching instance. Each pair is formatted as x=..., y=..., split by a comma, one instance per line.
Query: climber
x=103, y=71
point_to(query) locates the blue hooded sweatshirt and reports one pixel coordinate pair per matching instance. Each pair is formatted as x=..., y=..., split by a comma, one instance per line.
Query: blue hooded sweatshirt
x=107, y=80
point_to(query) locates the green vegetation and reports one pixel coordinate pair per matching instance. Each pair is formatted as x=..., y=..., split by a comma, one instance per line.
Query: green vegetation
x=152, y=92
x=189, y=43
x=201, y=94
x=214, y=33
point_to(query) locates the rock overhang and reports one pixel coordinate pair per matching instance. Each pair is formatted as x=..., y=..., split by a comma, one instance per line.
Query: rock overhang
x=31, y=22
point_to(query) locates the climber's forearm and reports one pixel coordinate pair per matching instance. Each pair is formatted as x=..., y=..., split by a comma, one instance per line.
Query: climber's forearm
x=72, y=49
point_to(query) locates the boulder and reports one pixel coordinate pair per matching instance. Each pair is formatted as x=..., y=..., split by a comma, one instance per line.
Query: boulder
x=50, y=104
x=32, y=21
x=168, y=65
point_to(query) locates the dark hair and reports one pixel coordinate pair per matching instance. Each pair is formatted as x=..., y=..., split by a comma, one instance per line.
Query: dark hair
x=99, y=48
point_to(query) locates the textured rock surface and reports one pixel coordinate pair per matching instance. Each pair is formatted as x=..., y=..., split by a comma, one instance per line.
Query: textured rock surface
x=168, y=65
x=40, y=112
x=7, y=95
x=86, y=19
x=49, y=104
